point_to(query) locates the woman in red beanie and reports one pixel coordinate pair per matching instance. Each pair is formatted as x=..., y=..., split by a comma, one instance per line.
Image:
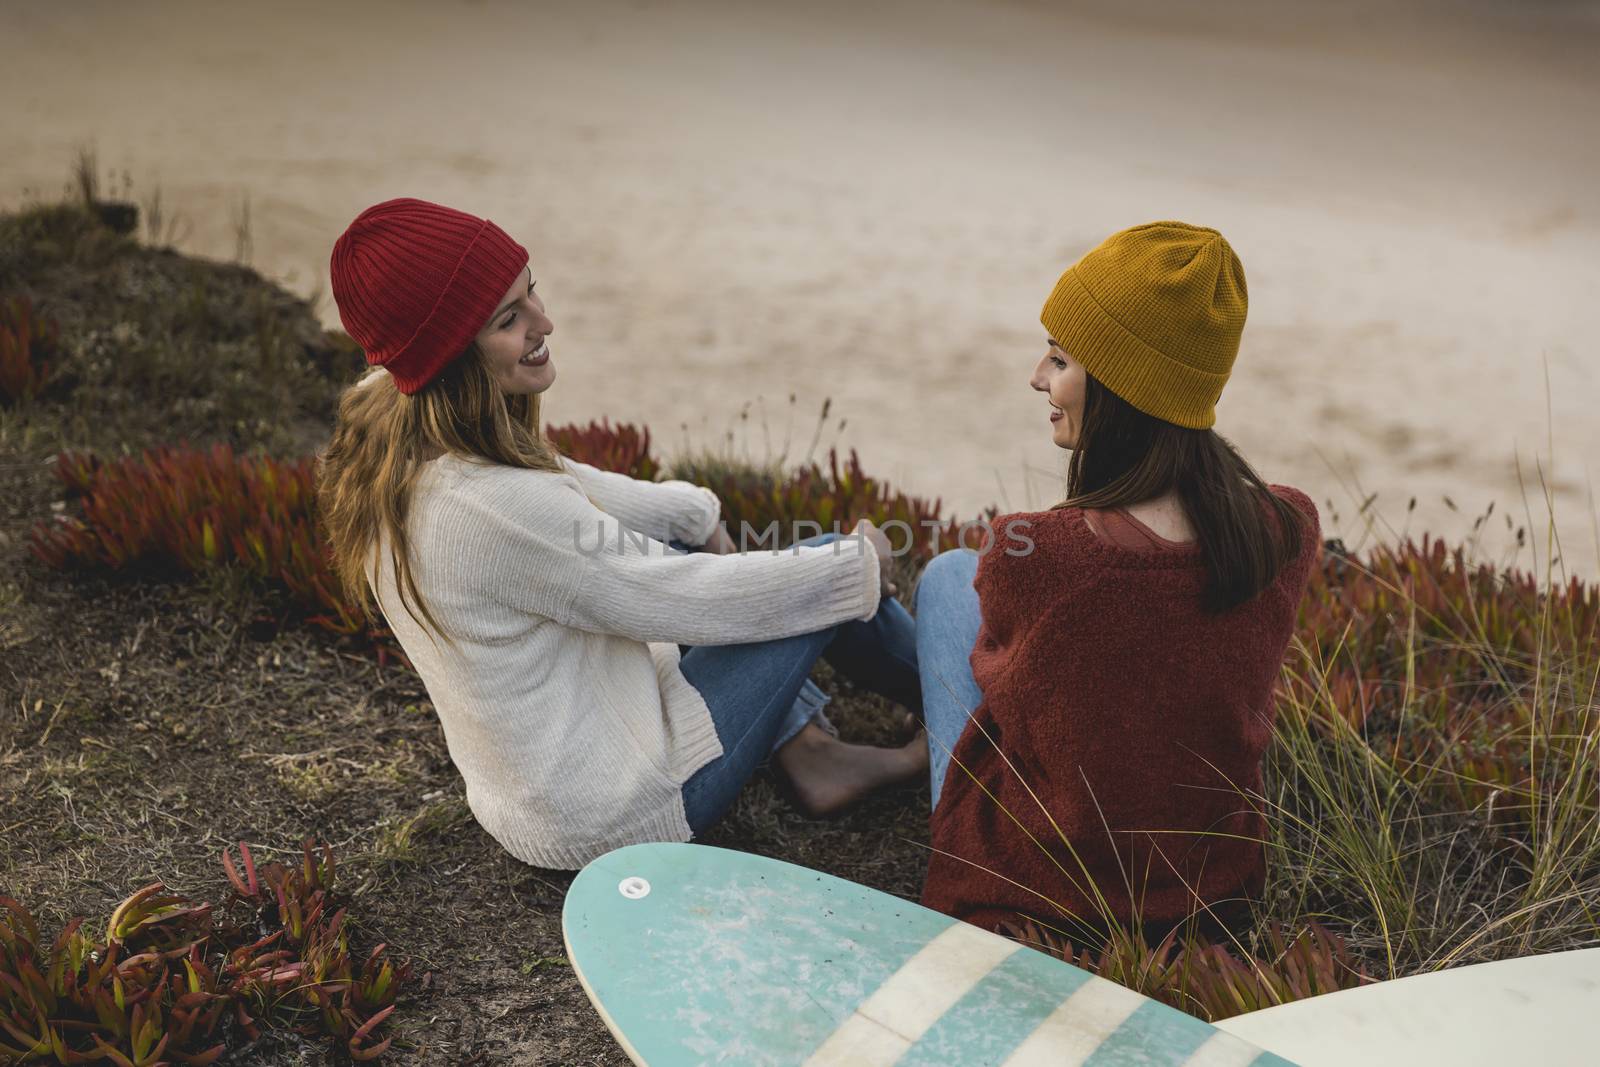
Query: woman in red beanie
x=1098, y=683
x=598, y=684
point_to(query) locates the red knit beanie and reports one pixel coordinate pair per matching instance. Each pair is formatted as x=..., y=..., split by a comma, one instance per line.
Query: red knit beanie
x=415, y=281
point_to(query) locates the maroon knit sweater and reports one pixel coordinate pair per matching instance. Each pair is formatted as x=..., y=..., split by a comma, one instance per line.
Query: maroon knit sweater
x=1127, y=711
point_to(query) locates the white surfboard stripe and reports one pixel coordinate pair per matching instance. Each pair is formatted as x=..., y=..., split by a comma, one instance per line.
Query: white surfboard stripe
x=1223, y=1050
x=1079, y=1025
x=913, y=998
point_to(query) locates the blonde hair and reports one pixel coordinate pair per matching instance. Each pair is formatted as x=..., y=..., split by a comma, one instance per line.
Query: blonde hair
x=366, y=475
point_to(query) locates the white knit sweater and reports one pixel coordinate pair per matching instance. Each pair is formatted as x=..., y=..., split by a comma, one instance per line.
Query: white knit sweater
x=562, y=703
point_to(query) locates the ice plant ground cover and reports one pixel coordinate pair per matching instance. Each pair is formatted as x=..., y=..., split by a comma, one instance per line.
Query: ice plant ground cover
x=27, y=343
x=173, y=981
x=1431, y=794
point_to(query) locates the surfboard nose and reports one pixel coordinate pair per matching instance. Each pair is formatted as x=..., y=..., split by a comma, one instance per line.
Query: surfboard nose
x=693, y=954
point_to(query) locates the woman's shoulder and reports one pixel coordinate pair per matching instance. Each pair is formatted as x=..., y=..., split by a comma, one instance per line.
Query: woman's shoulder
x=1089, y=541
x=454, y=466
x=1296, y=497
x=498, y=486
x=1018, y=534
x=1028, y=547
x=1072, y=523
x=1303, y=503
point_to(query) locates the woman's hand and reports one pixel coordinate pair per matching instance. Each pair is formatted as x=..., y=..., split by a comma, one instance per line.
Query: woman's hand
x=886, y=586
x=720, y=544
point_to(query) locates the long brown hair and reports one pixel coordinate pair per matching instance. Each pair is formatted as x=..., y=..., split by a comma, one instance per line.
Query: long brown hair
x=1125, y=456
x=366, y=474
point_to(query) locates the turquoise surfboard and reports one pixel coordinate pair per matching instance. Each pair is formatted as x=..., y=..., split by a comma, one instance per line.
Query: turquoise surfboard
x=700, y=955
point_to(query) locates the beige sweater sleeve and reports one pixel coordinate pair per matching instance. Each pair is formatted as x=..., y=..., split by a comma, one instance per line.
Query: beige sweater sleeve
x=670, y=510
x=613, y=580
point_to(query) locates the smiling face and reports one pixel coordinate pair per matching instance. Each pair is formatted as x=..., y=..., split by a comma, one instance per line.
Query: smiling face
x=513, y=341
x=1062, y=379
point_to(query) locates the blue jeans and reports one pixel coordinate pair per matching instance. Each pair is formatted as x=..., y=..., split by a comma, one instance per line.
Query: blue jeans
x=947, y=630
x=761, y=694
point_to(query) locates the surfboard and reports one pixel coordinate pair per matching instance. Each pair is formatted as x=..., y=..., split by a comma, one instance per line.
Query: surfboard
x=1535, y=1009
x=701, y=955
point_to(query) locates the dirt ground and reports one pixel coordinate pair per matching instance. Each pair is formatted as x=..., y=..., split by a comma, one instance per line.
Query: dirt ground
x=146, y=722
x=145, y=729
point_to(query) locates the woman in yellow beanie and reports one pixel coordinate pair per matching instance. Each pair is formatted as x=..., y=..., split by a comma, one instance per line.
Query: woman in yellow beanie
x=1097, y=684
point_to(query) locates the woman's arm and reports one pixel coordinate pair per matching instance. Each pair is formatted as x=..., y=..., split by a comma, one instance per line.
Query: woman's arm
x=582, y=567
x=671, y=510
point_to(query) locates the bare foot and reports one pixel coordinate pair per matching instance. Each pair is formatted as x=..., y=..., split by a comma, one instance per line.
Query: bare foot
x=828, y=775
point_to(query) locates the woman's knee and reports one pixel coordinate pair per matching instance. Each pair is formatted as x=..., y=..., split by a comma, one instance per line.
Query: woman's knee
x=959, y=565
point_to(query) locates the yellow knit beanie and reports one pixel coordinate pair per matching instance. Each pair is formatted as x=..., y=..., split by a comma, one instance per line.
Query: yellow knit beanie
x=1154, y=314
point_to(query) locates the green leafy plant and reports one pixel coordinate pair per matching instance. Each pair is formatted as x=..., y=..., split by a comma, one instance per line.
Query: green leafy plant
x=312, y=970
x=171, y=982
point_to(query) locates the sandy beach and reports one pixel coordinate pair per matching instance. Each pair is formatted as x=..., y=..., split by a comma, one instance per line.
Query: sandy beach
x=729, y=203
